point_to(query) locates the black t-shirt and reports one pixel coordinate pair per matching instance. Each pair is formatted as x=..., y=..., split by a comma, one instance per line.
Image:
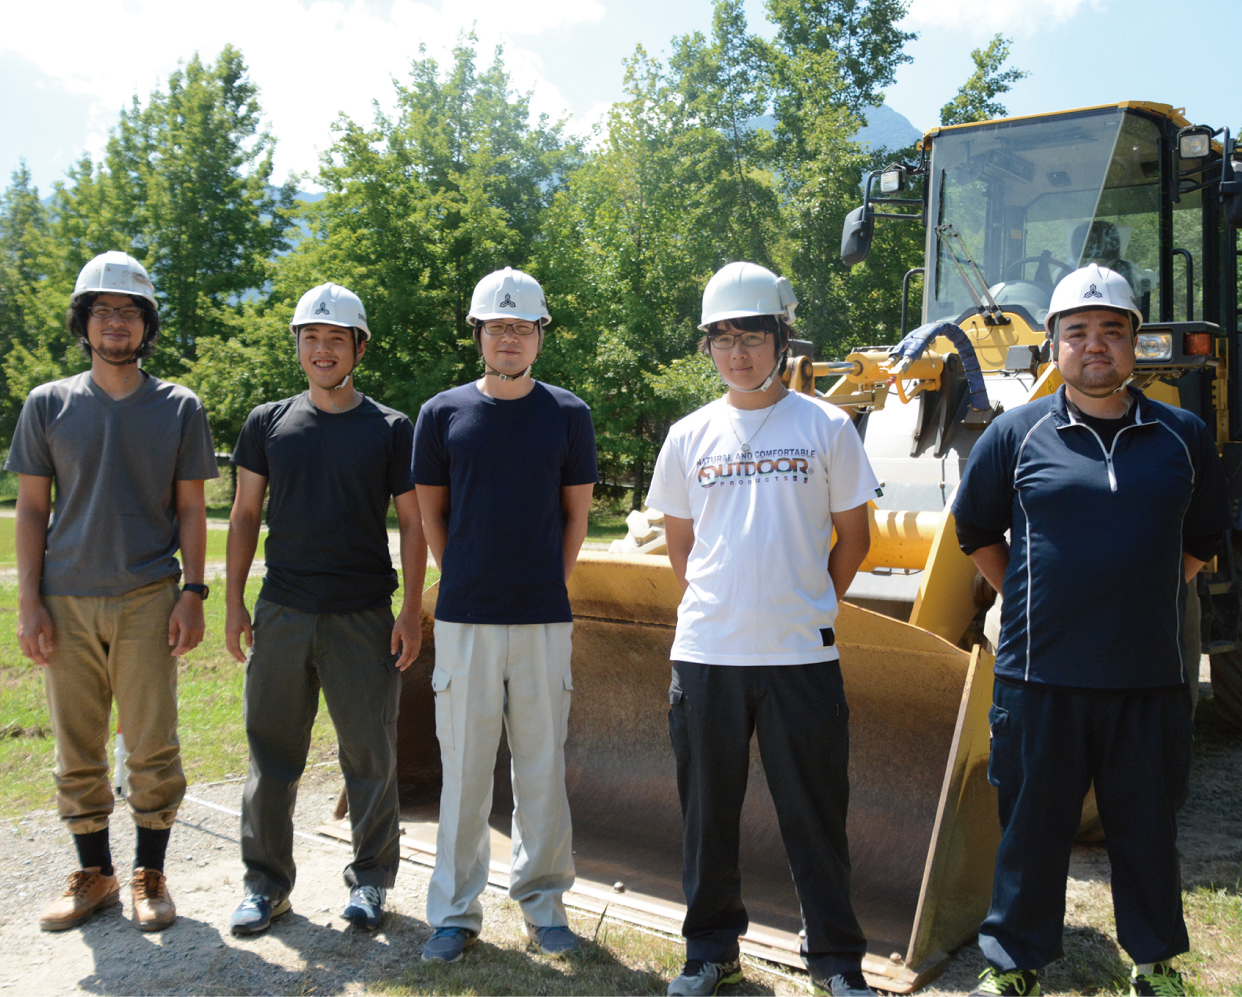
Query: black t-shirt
x=330, y=478
x=504, y=463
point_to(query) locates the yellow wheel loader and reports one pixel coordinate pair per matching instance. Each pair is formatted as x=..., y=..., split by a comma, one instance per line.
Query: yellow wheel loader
x=1009, y=206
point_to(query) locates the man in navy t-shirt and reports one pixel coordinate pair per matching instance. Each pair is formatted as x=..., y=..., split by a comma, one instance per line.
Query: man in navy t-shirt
x=504, y=469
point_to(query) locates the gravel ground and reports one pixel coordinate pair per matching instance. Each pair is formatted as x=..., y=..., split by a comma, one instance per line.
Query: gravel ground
x=311, y=950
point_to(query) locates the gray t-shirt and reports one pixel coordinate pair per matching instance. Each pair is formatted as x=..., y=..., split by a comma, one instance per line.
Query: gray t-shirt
x=114, y=527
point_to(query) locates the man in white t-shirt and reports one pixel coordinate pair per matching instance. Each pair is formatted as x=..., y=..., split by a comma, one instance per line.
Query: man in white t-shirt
x=752, y=486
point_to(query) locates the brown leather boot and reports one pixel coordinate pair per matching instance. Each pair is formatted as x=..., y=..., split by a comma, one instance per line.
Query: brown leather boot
x=87, y=891
x=154, y=909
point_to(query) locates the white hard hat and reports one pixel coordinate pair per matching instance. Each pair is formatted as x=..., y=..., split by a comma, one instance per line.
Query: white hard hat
x=740, y=290
x=330, y=304
x=511, y=294
x=114, y=272
x=1092, y=286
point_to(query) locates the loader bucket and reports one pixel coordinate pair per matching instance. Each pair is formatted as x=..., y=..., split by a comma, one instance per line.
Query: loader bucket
x=923, y=826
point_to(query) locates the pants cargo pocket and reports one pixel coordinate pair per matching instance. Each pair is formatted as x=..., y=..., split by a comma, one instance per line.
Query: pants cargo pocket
x=440, y=680
x=568, y=697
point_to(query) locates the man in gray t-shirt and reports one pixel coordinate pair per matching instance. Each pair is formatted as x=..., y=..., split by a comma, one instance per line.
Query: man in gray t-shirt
x=99, y=605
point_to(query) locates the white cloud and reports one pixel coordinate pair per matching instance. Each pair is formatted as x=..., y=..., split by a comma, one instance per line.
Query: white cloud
x=310, y=62
x=1011, y=17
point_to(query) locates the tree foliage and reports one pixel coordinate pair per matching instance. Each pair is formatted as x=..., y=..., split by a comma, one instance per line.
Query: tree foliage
x=687, y=173
x=976, y=100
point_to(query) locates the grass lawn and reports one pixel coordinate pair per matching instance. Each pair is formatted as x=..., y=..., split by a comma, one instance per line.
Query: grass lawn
x=213, y=738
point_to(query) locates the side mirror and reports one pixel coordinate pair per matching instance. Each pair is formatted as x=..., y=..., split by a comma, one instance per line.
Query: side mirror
x=856, y=236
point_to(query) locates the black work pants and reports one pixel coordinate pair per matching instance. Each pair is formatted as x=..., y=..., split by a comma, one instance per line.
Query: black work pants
x=1048, y=744
x=801, y=717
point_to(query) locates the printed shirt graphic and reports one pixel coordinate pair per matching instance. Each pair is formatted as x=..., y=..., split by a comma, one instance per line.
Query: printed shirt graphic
x=758, y=588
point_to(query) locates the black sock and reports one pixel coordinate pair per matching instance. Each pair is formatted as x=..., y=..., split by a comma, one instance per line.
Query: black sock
x=152, y=844
x=93, y=851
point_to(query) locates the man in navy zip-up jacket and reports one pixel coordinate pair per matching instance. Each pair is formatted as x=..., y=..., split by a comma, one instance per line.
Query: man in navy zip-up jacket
x=1112, y=503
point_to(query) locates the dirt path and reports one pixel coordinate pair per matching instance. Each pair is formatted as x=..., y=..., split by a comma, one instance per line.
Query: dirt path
x=313, y=951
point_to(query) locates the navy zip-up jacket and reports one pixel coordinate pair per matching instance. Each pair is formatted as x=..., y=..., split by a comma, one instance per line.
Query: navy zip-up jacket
x=1095, y=563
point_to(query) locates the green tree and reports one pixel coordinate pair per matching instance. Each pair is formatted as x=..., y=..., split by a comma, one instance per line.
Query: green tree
x=417, y=208
x=188, y=180
x=976, y=100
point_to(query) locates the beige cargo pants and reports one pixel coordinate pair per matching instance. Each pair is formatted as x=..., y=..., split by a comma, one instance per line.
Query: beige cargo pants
x=486, y=675
x=114, y=647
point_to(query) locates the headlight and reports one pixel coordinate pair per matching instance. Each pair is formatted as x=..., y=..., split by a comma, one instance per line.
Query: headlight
x=1154, y=346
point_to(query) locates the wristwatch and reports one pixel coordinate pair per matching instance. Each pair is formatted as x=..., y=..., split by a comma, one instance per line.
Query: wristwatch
x=199, y=590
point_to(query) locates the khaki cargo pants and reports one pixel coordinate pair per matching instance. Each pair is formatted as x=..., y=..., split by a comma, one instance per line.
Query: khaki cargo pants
x=114, y=648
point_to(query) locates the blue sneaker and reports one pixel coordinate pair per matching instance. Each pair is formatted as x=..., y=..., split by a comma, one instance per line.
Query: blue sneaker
x=557, y=942
x=366, y=907
x=256, y=913
x=448, y=944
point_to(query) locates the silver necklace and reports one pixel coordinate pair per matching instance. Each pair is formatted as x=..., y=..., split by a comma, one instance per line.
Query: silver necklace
x=746, y=443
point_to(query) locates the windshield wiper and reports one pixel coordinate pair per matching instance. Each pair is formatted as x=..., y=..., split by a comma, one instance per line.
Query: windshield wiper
x=984, y=301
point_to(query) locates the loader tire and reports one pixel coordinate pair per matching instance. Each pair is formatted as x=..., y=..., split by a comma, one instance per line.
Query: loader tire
x=1227, y=687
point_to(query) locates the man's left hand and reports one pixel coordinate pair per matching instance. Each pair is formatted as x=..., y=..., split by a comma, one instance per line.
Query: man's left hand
x=407, y=636
x=186, y=624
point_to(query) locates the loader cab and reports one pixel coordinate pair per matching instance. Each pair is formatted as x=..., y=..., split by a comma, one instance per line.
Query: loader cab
x=1012, y=206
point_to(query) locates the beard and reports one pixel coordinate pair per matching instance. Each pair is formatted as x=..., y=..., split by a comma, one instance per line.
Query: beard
x=117, y=354
x=1097, y=381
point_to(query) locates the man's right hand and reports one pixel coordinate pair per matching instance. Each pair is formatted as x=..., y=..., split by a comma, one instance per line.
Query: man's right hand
x=35, y=632
x=237, y=623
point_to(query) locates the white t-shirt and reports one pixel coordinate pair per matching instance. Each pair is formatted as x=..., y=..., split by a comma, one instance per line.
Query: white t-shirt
x=758, y=591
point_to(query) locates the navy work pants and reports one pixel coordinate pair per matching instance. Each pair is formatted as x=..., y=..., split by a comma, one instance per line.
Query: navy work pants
x=1048, y=745
x=801, y=717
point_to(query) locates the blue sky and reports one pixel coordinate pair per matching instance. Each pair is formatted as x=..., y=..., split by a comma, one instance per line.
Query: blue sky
x=313, y=59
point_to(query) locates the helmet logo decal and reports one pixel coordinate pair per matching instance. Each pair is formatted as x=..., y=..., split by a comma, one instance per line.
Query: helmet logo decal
x=322, y=309
x=508, y=302
x=1092, y=293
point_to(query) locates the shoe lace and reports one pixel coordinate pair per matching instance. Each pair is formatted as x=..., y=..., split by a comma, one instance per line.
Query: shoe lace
x=79, y=882
x=693, y=968
x=994, y=982
x=149, y=884
x=369, y=895
x=448, y=933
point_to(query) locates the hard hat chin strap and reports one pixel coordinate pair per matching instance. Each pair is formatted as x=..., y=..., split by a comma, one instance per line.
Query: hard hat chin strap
x=780, y=363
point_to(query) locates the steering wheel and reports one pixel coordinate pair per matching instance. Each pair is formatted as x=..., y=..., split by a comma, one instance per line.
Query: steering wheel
x=1016, y=265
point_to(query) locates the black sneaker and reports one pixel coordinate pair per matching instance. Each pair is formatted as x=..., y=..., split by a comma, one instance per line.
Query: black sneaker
x=1162, y=981
x=851, y=984
x=1012, y=982
x=702, y=979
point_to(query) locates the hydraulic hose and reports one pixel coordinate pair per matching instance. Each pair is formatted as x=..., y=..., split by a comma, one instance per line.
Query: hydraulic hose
x=914, y=343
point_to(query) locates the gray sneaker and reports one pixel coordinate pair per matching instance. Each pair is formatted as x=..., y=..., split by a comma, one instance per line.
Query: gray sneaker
x=699, y=978
x=852, y=984
x=556, y=942
x=256, y=913
x=448, y=944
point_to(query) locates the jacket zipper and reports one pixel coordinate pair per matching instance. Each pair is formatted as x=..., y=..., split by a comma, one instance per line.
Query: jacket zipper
x=1108, y=452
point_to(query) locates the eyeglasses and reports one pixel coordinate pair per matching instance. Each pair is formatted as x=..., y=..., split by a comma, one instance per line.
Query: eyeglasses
x=725, y=340
x=128, y=313
x=518, y=328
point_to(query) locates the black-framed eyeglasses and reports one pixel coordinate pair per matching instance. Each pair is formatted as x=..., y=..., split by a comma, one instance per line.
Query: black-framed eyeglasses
x=725, y=340
x=128, y=313
x=497, y=328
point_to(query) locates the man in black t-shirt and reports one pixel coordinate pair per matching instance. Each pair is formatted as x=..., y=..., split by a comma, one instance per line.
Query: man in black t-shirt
x=323, y=620
x=504, y=469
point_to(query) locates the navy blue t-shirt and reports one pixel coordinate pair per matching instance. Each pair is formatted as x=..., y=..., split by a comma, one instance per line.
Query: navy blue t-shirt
x=504, y=463
x=330, y=476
